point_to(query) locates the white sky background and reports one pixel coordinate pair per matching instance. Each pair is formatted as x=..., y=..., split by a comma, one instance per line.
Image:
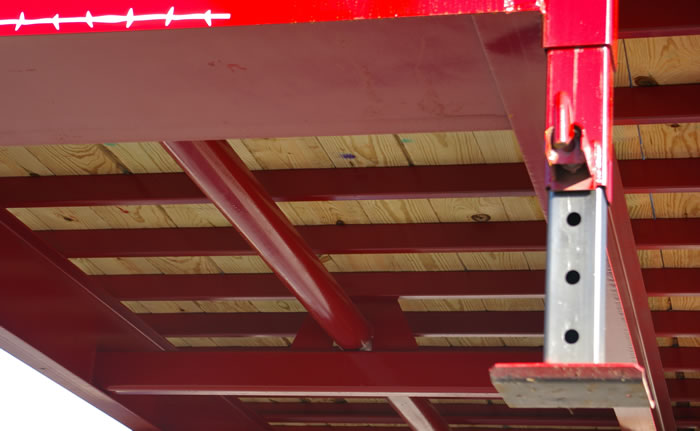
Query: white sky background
x=29, y=401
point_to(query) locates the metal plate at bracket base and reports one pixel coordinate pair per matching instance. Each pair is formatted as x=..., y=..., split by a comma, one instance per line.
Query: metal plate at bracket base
x=535, y=385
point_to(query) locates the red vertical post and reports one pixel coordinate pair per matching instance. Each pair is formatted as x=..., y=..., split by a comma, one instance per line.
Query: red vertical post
x=227, y=182
x=581, y=41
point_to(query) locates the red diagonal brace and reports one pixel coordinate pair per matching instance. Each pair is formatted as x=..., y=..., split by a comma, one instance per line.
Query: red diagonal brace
x=222, y=176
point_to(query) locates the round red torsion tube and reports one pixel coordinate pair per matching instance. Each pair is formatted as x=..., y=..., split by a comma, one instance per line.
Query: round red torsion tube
x=224, y=178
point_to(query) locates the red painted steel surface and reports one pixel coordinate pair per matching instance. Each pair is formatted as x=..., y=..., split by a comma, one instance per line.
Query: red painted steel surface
x=583, y=79
x=416, y=182
x=400, y=238
x=652, y=18
x=224, y=178
x=580, y=24
x=621, y=246
x=239, y=13
x=320, y=373
x=515, y=55
x=455, y=414
x=52, y=321
x=671, y=104
x=353, y=239
x=647, y=18
x=275, y=80
x=416, y=285
x=427, y=373
x=422, y=324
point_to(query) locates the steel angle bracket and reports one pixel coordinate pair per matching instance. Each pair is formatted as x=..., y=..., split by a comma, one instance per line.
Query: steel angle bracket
x=571, y=385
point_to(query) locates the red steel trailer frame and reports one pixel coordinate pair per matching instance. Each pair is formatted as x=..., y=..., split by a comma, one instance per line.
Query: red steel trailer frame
x=76, y=331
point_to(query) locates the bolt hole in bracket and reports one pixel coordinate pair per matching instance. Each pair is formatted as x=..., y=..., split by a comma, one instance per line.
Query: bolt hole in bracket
x=582, y=367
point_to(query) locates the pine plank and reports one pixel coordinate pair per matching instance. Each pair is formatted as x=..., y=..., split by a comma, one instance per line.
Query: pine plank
x=198, y=342
x=499, y=146
x=621, y=76
x=660, y=303
x=227, y=306
x=288, y=153
x=445, y=305
x=677, y=205
x=288, y=210
x=639, y=206
x=134, y=216
x=143, y=157
x=135, y=307
x=27, y=217
x=688, y=342
x=457, y=210
x=432, y=342
x=195, y=215
x=117, y=265
x=475, y=341
x=398, y=262
x=78, y=159
x=185, y=265
x=650, y=258
x=514, y=304
x=690, y=303
x=671, y=141
x=664, y=341
x=536, y=260
x=20, y=162
x=87, y=266
x=454, y=148
x=494, y=261
x=668, y=60
x=626, y=143
x=681, y=258
x=250, y=341
x=330, y=212
x=177, y=342
x=363, y=151
x=245, y=154
x=241, y=264
x=61, y=218
x=399, y=211
x=279, y=306
x=523, y=341
x=522, y=208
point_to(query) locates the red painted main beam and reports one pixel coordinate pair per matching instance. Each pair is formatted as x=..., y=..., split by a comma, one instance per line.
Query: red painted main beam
x=416, y=285
x=227, y=182
x=462, y=373
x=422, y=324
x=353, y=239
x=305, y=373
x=416, y=182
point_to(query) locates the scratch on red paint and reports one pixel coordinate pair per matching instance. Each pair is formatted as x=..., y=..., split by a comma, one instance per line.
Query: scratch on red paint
x=233, y=66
